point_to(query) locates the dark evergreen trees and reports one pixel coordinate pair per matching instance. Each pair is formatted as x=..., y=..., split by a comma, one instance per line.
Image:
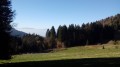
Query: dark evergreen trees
x=62, y=33
x=6, y=17
x=92, y=33
x=59, y=34
x=52, y=37
x=48, y=33
x=52, y=33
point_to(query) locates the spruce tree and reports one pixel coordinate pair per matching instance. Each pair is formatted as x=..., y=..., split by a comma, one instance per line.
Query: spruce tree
x=6, y=17
x=59, y=34
x=52, y=33
x=52, y=37
x=48, y=33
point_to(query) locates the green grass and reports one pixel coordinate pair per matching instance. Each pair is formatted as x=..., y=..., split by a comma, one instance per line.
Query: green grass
x=80, y=52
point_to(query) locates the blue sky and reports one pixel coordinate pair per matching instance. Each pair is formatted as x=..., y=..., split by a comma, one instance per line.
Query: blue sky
x=42, y=14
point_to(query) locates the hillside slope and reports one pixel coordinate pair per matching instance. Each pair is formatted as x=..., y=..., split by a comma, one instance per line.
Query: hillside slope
x=15, y=32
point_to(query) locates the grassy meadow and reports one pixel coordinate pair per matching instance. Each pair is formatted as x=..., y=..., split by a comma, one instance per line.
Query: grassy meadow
x=94, y=51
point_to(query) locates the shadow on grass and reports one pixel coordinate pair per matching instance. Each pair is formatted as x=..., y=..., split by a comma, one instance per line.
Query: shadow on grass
x=87, y=62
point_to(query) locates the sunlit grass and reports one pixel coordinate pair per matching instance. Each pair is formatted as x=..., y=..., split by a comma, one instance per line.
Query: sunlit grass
x=95, y=51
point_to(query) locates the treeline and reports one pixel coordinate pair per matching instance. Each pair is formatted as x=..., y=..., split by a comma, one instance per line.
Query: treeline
x=87, y=34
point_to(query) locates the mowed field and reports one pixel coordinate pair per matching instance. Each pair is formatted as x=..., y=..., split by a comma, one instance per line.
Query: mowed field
x=88, y=54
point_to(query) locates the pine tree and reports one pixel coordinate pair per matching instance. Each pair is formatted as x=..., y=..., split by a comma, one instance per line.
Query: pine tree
x=52, y=37
x=52, y=33
x=6, y=17
x=59, y=34
x=48, y=33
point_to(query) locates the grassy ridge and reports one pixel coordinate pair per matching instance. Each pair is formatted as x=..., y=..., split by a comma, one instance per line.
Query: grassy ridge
x=95, y=51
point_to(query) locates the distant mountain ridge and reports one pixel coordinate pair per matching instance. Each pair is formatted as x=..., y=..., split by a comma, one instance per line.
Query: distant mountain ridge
x=15, y=32
x=40, y=32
